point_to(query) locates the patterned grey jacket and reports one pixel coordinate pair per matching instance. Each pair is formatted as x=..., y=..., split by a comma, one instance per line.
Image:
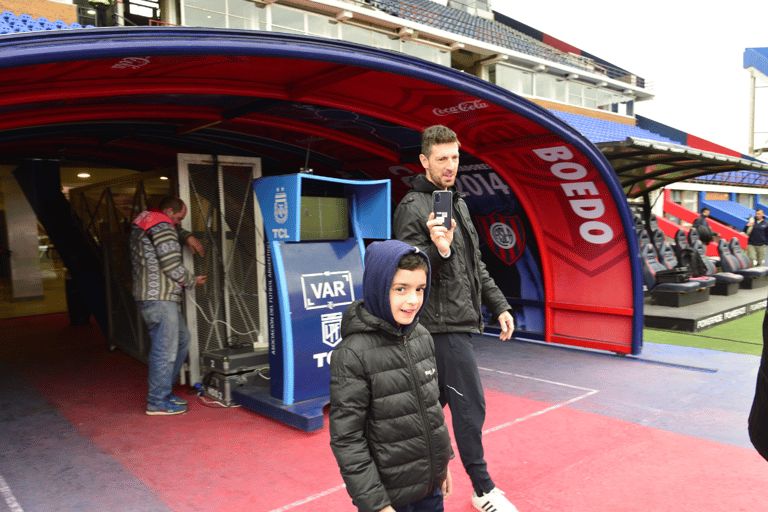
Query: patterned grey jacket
x=158, y=270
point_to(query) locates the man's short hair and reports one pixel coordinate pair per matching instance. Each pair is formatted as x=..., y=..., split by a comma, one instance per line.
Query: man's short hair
x=172, y=202
x=412, y=261
x=436, y=134
x=705, y=209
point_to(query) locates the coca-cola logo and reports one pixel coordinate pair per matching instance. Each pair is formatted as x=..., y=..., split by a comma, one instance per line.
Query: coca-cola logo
x=131, y=63
x=466, y=106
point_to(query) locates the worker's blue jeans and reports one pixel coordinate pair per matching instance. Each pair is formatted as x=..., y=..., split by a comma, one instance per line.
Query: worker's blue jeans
x=170, y=345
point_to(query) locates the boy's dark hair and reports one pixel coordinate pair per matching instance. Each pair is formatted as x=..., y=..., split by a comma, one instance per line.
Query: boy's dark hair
x=413, y=261
x=436, y=134
x=174, y=203
x=705, y=209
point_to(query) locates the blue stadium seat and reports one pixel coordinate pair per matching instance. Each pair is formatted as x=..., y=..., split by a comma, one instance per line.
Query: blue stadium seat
x=8, y=15
x=75, y=25
x=60, y=24
x=27, y=18
x=42, y=21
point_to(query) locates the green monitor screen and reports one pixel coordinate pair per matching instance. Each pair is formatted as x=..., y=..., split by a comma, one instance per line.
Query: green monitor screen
x=324, y=218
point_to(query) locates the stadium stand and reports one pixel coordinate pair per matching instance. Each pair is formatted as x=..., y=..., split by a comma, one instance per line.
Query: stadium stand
x=600, y=130
x=462, y=23
x=10, y=23
x=730, y=212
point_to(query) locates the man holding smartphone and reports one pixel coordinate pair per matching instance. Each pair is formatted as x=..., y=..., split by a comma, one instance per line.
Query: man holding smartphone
x=460, y=285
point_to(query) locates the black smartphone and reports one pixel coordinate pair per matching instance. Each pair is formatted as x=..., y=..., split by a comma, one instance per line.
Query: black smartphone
x=442, y=206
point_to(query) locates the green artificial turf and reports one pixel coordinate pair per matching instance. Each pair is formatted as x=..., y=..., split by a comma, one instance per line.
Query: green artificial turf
x=743, y=336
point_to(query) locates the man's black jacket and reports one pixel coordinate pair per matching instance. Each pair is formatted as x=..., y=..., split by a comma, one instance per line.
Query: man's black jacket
x=460, y=283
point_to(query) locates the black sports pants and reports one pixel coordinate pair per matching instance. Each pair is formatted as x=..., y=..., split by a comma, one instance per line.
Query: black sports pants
x=460, y=388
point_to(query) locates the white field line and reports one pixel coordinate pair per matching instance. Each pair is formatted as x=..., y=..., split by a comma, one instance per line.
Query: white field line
x=310, y=498
x=10, y=499
x=590, y=392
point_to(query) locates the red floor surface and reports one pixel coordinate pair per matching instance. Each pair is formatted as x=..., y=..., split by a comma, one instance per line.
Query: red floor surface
x=234, y=460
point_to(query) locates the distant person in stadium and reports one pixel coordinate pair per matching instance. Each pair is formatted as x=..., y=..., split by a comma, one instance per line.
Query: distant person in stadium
x=757, y=229
x=706, y=235
x=388, y=430
x=460, y=285
x=159, y=280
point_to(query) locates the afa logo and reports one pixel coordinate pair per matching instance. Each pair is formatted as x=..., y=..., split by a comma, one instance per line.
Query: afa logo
x=504, y=235
x=281, y=206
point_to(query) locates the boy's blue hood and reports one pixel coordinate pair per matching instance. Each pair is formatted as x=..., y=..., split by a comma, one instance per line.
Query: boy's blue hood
x=381, y=260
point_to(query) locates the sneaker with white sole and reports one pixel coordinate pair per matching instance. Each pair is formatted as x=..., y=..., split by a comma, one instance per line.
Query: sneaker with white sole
x=174, y=399
x=167, y=408
x=493, y=501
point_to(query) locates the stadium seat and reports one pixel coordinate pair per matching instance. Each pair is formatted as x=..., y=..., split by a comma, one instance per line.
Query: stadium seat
x=668, y=294
x=42, y=21
x=666, y=256
x=76, y=25
x=735, y=246
x=60, y=24
x=754, y=277
x=726, y=283
x=681, y=242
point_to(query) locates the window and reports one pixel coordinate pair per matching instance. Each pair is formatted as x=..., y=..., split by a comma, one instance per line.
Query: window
x=194, y=17
x=590, y=97
x=575, y=93
x=245, y=14
x=513, y=79
x=321, y=26
x=287, y=20
x=747, y=200
x=424, y=51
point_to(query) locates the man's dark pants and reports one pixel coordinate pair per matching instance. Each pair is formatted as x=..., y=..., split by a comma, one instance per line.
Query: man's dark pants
x=462, y=390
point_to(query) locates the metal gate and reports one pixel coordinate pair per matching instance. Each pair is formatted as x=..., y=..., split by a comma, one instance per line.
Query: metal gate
x=230, y=308
x=105, y=211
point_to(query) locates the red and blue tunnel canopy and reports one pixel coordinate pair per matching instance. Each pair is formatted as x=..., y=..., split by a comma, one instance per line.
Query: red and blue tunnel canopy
x=556, y=232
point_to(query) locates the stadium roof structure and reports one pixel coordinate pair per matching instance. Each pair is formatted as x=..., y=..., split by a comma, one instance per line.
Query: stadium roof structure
x=644, y=165
x=651, y=155
x=756, y=58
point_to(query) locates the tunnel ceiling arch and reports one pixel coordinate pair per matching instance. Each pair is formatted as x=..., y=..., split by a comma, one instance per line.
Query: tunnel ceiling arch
x=135, y=98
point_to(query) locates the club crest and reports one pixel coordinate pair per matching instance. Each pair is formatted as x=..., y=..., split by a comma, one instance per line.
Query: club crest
x=504, y=235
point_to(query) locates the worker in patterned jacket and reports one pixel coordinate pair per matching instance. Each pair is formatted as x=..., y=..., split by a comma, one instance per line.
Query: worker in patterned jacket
x=159, y=279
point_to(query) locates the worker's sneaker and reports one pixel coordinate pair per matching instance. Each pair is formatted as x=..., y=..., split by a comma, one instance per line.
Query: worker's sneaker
x=167, y=408
x=176, y=400
x=493, y=501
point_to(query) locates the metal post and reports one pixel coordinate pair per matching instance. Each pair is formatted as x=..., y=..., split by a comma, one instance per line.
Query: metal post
x=751, y=133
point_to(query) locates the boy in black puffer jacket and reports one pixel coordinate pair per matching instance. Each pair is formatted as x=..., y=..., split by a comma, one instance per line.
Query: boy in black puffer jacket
x=388, y=430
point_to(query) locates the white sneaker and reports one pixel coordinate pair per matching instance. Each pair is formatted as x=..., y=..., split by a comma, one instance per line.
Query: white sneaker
x=493, y=501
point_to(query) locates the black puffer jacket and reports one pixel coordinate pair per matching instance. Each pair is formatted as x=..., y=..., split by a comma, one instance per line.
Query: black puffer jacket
x=461, y=283
x=385, y=414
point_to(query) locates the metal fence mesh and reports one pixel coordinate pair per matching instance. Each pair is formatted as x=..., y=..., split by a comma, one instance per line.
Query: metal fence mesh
x=222, y=218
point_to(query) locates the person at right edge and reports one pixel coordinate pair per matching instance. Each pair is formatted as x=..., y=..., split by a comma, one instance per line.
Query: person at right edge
x=757, y=229
x=460, y=284
x=758, y=416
